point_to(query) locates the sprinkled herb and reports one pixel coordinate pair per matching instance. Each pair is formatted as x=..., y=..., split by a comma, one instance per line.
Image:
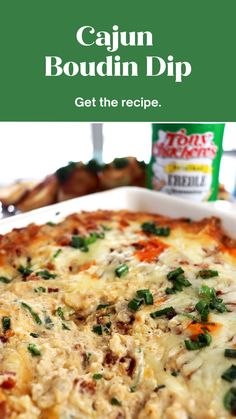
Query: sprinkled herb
x=65, y=327
x=209, y=301
x=229, y=374
x=203, y=339
x=6, y=323
x=97, y=376
x=230, y=400
x=122, y=270
x=25, y=271
x=82, y=243
x=45, y=274
x=63, y=173
x=57, y=253
x=175, y=373
x=178, y=279
x=34, y=335
x=97, y=329
x=59, y=311
x=5, y=280
x=40, y=289
x=230, y=353
x=151, y=228
x=33, y=349
x=115, y=402
x=147, y=295
x=51, y=224
x=120, y=162
x=101, y=306
x=106, y=228
x=168, y=312
x=48, y=322
x=134, y=304
x=207, y=273
x=32, y=312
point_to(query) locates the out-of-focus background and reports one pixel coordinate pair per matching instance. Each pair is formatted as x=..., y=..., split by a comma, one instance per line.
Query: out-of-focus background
x=31, y=151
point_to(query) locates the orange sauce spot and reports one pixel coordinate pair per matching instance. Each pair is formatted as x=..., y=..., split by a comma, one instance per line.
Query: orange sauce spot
x=196, y=328
x=160, y=300
x=149, y=250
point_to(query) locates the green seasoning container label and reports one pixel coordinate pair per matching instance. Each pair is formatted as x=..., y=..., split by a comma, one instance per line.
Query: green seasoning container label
x=186, y=159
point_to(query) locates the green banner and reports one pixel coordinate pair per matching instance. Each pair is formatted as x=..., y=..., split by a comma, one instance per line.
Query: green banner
x=117, y=61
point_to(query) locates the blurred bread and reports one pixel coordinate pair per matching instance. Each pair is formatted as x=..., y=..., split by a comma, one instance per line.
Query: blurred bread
x=11, y=194
x=45, y=193
x=80, y=181
x=122, y=172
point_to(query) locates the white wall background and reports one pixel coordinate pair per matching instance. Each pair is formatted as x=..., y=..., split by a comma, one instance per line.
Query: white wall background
x=31, y=150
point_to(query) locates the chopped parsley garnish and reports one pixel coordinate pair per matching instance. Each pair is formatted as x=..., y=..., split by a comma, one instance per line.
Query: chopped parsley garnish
x=97, y=376
x=34, y=335
x=207, y=273
x=230, y=400
x=168, y=312
x=230, y=353
x=83, y=243
x=147, y=295
x=24, y=270
x=178, y=279
x=101, y=306
x=230, y=374
x=151, y=228
x=6, y=323
x=33, y=349
x=122, y=270
x=40, y=289
x=59, y=311
x=32, y=312
x=5, y=280
x=97, y=329
x=209, y=301
x=115, y=402
x=57, y=253
x=202, y=340
x=45, y=274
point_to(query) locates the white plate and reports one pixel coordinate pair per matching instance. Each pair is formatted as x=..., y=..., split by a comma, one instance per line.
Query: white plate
x=131, y=198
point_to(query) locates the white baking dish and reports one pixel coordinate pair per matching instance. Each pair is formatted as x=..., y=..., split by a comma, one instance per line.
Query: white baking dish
x=131, y=198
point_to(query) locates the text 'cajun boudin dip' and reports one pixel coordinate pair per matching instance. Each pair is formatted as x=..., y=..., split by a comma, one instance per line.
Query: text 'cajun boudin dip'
x=118, y=315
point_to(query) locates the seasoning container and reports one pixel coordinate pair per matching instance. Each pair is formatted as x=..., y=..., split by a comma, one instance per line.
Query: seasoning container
x=185, y=160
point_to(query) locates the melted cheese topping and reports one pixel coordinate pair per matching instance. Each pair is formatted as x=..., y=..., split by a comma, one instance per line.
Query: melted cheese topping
x=63, y=357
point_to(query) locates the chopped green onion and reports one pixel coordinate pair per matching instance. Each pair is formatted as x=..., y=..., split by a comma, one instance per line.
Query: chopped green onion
x=51, y=224
x=59, y=311
x=34, y=335
x=151, y=228
x=106, y=228
x=48, y=322
x=33, y=349
x=207, y=273
x=106, y=328
x=97, y=329
x=101, y=306
x=79, y=243
x=208, y=302
x=122, y=270
x=65, y=327
x=40, y=289
x=134, y=304
x=147, y=295
x=97, y=376
x=230, y=374
x=230, y=400
x=25, y=271
x=45, y=274
x=173, y=274
x=32, y=312
x=230, y=353
x=115, y=402
x=6, y=323
x=203, y=339
x=56, y=254
x=5, y=280
x=168, y=312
